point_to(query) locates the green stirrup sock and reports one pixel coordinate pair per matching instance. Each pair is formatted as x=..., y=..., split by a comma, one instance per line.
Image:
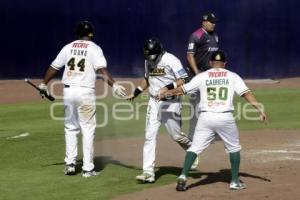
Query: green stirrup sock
x=188, y=162
x=235, y=166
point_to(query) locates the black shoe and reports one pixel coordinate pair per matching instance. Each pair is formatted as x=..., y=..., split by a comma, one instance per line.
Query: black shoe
x=181, y=184
x=70, y=169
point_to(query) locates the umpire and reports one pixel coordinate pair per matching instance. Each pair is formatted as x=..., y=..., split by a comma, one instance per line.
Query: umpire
x=202, y=43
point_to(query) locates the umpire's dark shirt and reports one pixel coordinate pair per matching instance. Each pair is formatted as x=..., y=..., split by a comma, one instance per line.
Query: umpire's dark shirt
x=202, y=44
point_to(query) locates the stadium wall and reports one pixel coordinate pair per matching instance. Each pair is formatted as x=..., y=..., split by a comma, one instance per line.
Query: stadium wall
x=261, y=37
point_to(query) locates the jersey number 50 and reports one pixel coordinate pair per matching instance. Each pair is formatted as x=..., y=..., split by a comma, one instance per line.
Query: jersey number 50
x=80, y=64
x=214, y=93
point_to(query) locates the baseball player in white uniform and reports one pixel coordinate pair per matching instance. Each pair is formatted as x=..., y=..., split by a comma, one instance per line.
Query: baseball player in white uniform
x=82, y=60
x=217, y=88
x=162, y=70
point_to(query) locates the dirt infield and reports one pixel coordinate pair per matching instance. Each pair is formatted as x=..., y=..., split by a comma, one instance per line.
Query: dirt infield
x=17, y=91
x=270, y=167
x=270, y=163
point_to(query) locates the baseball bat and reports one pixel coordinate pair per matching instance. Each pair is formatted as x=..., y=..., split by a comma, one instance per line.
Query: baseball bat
x=51, y=98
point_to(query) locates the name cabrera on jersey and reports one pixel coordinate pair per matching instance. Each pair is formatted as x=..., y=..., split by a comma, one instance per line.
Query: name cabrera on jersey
x=217, y=88
x=168, y=69
x=81, y=59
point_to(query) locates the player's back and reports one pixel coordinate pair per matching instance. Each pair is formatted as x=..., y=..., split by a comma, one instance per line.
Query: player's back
x=81, y=59
x=218, y=87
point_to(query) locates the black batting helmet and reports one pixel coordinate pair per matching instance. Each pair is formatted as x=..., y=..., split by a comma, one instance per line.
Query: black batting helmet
x=84, y=28
x=153, y=49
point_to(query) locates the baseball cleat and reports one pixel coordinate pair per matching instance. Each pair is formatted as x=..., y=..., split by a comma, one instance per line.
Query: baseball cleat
x=87, y=174
x=145, y=178
x=195, y=164
x=181, y=183
x=70, y=170
x=237, y=185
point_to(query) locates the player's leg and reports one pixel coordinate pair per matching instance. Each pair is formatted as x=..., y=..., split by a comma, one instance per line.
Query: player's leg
x=228, y=132
x=172, y=122
x=72, y=129
x=194, y=113
x=201, y=140
x=87, y=120
x=152, y=127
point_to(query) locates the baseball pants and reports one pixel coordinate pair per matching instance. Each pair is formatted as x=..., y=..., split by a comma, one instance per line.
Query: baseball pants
x=80, y=113
x=194, y=112
x=209, y=124
x=169, y=114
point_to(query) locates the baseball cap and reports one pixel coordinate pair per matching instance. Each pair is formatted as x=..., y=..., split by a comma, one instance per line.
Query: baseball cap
x=218, y=56
x=209, y=17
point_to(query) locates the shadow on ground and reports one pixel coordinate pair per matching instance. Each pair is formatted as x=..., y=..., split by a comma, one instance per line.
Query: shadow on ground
x=224, y=175
x=100, y=163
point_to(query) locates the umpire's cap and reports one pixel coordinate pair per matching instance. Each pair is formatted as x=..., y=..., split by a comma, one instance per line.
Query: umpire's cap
x=84, y=28
x=210, y=17
x=218, y=56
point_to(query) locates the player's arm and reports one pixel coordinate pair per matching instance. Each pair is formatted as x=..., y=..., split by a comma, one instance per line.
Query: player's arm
x=242, y=90
x=55, y=66
x=107, y=77
x=192, y=63
x=258, y=106
x=191, y=52
x=139, y=89
x=172, y=86
x=174, y=92
x=117, y=89
x=51, y=72
x=189, y=87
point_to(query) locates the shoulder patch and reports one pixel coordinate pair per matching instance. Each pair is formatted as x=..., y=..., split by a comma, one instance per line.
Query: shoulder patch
x=181, y=72
x=191, y=46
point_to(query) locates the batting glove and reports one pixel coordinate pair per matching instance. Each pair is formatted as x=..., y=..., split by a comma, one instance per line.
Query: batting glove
x=119, y=90
x=43, y=89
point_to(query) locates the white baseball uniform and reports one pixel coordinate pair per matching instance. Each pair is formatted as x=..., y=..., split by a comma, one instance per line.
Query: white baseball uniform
x=167, y=112
x=81, y=59
x=217, y=88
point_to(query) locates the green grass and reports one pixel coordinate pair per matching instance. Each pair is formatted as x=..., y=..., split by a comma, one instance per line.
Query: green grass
x=31, y=167
x=282, y=107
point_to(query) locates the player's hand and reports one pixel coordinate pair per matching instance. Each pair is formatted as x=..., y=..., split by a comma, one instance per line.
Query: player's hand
x=263, y=117
x=163, y=90
x=119, y=90
x=162, y=93
x=43, y=89
x=130, y=98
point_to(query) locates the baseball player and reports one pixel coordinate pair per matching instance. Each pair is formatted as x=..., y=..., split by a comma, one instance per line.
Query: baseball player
x=202, y=43
x=217, y=88
x=82, y=60
x=162, y=70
